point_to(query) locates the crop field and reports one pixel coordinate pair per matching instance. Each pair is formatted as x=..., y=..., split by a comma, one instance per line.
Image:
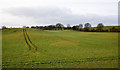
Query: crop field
x=35, y=48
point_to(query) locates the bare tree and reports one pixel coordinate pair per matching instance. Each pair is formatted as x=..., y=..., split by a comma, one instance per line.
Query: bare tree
x=80, y=25
x=4, y=27
x=68, y=26
x=59, y=26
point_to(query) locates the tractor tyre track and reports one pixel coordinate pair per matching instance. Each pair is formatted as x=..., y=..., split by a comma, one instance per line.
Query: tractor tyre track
x=36, y=48
x=26, y=40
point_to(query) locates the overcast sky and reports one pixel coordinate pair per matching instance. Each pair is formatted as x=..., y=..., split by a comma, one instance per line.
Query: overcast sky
x=16, y=13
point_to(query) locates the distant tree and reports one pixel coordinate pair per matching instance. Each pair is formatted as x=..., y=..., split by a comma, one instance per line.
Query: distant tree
x=80, y=25
x=92, y=30
x=65, y=28
x=51, y=27
x=87, y=27
x=41, y=27
x=106, y=30
x=75, y=27
x=27, y=27
x=68, y=26
x=59, y=26
x=100, y=27
x=113, y=29
x=37, y=27
x=33, y=27
x=118, y=29
x=3, y=27
x=45, y=28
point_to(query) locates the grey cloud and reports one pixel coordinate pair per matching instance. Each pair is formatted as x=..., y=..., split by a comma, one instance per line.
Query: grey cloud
x=52, y=15
x=39, y=11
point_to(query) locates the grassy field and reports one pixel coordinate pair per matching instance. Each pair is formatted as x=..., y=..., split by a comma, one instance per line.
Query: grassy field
x=59, y=49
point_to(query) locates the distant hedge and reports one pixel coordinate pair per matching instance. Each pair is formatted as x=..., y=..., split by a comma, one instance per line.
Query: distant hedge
x=103, y=29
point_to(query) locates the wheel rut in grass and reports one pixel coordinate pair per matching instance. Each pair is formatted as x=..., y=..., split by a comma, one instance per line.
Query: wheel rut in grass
x=29, y=46
x=28, y=41
x=25, y=32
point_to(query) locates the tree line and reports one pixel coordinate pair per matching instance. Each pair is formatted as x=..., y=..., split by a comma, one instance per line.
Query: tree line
x=100, y=28
x=87, y=27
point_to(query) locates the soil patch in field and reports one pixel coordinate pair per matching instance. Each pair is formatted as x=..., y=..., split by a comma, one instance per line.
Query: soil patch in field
x=64, y=43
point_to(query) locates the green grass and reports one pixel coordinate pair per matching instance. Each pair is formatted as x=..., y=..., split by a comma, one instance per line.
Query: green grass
x=64, y=49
